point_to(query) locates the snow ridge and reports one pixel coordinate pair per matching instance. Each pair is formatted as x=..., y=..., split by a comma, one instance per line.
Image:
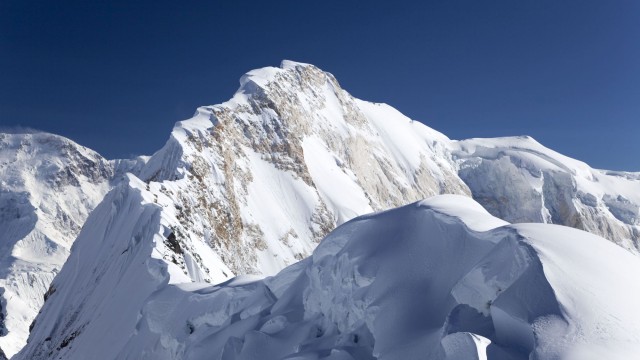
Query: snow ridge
x=251, y=186
x=437, y=279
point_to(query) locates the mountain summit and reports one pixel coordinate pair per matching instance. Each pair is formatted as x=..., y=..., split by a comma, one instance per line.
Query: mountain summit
x=252, y=185
x=287, y=159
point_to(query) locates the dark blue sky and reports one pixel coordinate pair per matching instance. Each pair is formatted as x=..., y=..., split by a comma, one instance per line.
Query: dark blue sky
x=116, y=75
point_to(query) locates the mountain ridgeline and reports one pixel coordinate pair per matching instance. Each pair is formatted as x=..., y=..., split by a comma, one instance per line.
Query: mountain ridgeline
x=251, y=186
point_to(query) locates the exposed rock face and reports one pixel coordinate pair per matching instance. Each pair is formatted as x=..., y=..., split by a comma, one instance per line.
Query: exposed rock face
x=256, y=177
x=438, y=279
x=48, y=186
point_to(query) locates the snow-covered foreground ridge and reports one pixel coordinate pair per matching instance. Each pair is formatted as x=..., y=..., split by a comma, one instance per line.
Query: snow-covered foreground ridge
x=437, y=279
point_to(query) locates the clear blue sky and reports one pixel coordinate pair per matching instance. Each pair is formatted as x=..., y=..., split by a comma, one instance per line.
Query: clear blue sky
x=116, y=75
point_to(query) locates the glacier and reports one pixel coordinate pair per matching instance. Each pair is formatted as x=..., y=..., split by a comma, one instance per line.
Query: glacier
x=519, y=180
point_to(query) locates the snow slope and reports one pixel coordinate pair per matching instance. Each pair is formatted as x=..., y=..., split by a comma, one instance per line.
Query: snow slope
x=48, y=186
x=250, y=186
x=437, y=279
x=519, y=180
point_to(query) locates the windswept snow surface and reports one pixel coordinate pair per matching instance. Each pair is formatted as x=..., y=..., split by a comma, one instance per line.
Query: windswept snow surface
x=437, y=279
x=48, y=186
x=99, y=300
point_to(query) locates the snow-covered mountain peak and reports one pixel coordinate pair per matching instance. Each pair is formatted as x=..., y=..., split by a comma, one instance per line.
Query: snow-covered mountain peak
x=51, y=183
x=263, y=76
x=288, y=158
x=52, y=159
x=294, y=130
x=48, y=186
x=252, y=185
x=288, y=64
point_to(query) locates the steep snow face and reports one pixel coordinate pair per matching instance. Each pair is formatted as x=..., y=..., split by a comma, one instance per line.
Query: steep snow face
x=48, y=185
x=519, y=180
x=264, y=176
x=117, y=261
x=438, y=279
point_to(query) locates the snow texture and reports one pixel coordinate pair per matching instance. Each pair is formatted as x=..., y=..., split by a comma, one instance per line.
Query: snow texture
x=264, y=176
x=437, y=279
x=252, y=185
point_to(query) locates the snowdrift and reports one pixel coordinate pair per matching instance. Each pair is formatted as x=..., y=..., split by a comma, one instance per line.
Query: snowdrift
x=437, y=279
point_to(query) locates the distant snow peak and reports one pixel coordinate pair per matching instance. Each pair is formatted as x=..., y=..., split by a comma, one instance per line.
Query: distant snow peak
x=48, y=186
